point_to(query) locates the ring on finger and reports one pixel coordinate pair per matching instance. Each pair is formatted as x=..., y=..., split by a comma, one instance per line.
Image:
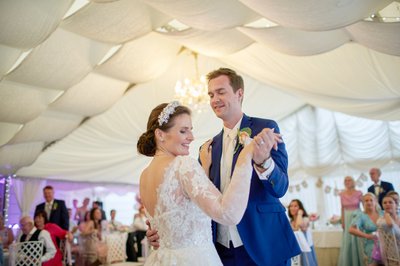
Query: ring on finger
x=262, y=142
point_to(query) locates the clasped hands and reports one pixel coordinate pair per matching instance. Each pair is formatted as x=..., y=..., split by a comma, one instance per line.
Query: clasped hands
x=264, y=142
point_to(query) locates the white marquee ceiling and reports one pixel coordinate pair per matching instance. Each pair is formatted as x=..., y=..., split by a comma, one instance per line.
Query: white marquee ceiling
x=78, y=79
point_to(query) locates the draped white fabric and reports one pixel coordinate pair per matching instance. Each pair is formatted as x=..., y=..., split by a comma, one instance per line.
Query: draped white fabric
x=28, y=193
x=78, y=79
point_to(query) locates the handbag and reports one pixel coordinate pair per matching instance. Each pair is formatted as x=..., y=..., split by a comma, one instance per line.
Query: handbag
x=376, y=252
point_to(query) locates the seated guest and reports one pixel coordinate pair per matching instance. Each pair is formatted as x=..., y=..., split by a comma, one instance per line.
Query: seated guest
x=300, y=222
x=140, y=227
x=6, y=234
x=389, y=224
x=55, y=231
x=113, y=224
x=30, y=233
x=92, y=250
x=364, y=226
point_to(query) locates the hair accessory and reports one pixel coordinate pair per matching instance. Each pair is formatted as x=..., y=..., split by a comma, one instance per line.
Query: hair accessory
x=167, y=112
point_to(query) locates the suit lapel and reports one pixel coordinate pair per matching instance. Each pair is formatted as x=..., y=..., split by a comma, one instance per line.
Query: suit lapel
x=246, y=122
x=215, y=173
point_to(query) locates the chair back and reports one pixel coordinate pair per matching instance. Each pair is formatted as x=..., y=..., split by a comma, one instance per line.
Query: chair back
x=65, y=248
x=389, y=246
x=26, y=253
x=116, y=247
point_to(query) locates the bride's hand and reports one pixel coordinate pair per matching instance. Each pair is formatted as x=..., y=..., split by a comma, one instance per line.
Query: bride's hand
x=248, y=148
x=205, y=154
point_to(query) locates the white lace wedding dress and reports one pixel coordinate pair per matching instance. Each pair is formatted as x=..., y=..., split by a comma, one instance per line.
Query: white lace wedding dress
x=186, y=201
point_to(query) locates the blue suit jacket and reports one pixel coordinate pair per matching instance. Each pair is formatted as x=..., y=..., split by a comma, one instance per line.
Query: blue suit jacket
x=386, y=187
x=58, y=215
x=264, y=229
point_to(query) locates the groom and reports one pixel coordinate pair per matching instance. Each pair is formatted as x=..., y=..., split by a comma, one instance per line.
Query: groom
x=264, y=235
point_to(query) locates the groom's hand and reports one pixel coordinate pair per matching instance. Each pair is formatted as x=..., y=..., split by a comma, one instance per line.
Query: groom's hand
x=265, y=141
x=152, y=236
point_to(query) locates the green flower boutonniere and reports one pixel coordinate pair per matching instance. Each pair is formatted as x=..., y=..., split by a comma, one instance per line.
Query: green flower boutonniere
x=243, y=137
x=55, y=205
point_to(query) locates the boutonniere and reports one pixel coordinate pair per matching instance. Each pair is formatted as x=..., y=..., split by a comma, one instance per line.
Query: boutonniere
x=381, y=190
x=243, y=137
x=55, y=205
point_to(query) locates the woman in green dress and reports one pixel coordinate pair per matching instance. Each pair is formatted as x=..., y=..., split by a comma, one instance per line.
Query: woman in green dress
x=350, y=200
x=364, y=227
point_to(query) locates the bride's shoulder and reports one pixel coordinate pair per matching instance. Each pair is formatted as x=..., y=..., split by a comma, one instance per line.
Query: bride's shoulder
x=186, y=163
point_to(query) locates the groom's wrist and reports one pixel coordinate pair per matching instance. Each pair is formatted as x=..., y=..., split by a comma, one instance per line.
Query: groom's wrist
x=265, y=164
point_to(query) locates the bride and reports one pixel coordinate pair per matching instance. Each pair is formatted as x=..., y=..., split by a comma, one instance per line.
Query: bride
x=179, y=198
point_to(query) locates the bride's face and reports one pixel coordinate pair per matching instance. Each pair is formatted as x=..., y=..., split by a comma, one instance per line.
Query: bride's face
x=178, y=138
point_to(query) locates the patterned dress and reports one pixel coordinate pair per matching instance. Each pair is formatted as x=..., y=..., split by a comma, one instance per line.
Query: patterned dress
x=366, y=225
x=186, y=201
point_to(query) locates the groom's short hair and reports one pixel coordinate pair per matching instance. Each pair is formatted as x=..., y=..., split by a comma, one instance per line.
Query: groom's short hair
x=235, y=80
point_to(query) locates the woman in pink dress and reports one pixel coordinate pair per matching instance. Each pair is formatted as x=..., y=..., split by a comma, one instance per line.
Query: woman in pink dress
x=350, y=200
x=55, y=231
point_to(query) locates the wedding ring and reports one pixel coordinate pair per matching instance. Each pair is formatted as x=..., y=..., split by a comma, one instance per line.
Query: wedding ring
x=262, y=142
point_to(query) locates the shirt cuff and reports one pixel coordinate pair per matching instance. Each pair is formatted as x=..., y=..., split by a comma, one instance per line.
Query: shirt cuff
x=265, y=175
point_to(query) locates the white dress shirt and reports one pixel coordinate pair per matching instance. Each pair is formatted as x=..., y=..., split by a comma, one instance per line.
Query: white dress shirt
x=47, y=208
x=225, y=234
x=45, y=237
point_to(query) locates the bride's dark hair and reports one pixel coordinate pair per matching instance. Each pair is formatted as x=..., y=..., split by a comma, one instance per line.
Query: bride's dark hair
x=146, y=144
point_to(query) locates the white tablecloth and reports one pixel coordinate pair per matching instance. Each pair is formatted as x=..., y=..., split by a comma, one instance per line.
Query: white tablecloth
x=327, y=244
x=327, y=238
x=301, y=239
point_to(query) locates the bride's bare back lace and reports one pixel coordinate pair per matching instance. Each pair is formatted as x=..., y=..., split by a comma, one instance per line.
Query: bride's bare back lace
x=186, y=201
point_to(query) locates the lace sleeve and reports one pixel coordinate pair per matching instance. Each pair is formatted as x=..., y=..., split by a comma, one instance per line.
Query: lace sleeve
x=225, y=209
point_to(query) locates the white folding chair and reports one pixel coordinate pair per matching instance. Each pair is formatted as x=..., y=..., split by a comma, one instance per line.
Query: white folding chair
x=65, y=248
x=116, y=249
x=389, y=247
x=27, y=253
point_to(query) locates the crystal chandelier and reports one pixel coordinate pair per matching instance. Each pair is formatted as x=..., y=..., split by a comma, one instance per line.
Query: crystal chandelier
x=193, y=91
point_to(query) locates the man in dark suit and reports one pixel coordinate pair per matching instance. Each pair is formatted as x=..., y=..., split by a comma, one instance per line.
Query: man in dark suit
x=379, y=188
x=56, y=210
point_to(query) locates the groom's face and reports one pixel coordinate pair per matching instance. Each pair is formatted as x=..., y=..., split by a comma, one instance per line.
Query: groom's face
x=223, y=100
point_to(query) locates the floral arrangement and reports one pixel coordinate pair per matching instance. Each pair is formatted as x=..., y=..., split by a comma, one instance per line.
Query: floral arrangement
x=335, y=219
x=55, y=205
x=243, y=137
x=313, y=217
